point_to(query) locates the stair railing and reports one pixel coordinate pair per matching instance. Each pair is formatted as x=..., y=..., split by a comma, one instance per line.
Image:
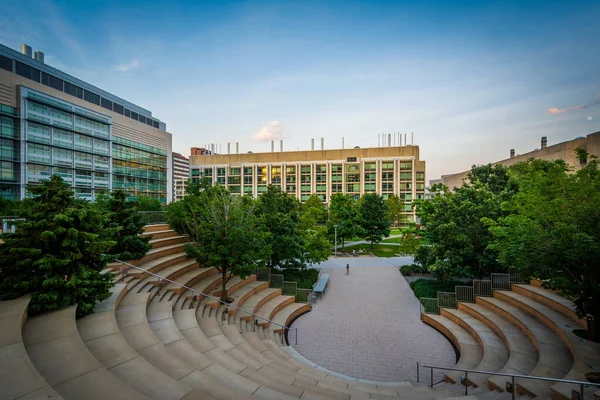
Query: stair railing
x=161, y=279
x=512, y=388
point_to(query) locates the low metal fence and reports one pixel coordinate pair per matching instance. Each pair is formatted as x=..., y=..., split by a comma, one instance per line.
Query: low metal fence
x=464, y=294
x=447, y=299
x=515, y=276
x=430, y=305
x=276, y=281
x=482, y=287
x=303, y=295
x=153, y=217
x=289, y=288
x=500, y=282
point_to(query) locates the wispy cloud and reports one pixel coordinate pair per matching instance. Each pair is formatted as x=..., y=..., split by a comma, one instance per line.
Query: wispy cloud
x=272, y=131
x=555, y=110
x=131, y=65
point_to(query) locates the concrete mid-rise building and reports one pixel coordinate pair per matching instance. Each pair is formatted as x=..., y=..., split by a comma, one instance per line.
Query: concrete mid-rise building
x=383, y=170
x=560, y=151
x=181, y=174
x=53, y=123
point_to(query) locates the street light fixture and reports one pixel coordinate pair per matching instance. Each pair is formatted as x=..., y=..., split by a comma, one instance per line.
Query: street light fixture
x=335, y=248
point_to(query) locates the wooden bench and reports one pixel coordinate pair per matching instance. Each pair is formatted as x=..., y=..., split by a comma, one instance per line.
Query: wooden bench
x=321, y=285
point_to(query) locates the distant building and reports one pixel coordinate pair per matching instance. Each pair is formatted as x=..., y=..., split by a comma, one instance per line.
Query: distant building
x=560, y=151
x=181, y=174
x=384, y=170
x=53, y=123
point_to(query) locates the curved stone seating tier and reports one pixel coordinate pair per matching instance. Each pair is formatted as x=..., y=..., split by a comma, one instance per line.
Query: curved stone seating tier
x=256, y=301
x=18, y=376
x=235, y=290
x=167, y=241
x=150, y=229
x=554, y=358
x=160, y=234
x=103, y=338
x=585, y=353
x=551, y=299
x=523, y=355
x=189, y=279
x=269, y=308
x=470, y=350
x=59, y=354
x=287, y=314
x=160, y=252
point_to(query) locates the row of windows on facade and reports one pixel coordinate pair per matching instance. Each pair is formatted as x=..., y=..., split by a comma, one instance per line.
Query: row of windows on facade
x=350, y=178
x=307, y=169
x=49, y=80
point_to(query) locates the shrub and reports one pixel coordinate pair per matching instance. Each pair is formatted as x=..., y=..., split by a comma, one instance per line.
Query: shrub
x=430, y=288
x=406, y=270
x=305, y=278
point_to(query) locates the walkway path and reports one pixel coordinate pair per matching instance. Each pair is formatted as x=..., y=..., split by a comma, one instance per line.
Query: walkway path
x=367, y=326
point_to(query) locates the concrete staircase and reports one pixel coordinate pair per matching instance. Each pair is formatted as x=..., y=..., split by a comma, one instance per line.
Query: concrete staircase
x=526, y=330
x=155, y=340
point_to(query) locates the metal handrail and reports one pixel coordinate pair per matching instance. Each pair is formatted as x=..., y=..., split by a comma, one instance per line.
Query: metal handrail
x=162, y=278
x=513, y=376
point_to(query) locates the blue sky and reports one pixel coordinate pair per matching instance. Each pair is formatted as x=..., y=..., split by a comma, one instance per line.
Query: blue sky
x=471, y=79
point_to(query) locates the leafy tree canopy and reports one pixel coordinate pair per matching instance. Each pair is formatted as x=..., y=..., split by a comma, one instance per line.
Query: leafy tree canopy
x=56, y=254
x=453, y=224
x=225, y=232
x=552, y=231
x=343, y=212
x=145, y=203
x=374, y=220
x=395, y=209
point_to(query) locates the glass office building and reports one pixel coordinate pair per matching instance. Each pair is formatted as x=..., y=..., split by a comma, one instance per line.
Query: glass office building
x=52, y=123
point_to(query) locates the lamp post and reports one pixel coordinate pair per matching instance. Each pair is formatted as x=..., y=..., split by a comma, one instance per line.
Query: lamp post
x=335, y=248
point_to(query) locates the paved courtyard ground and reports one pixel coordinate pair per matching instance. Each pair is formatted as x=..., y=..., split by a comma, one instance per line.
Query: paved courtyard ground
x=367, y=326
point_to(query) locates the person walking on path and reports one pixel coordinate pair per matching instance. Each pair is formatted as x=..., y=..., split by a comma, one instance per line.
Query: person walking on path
x=347, y=269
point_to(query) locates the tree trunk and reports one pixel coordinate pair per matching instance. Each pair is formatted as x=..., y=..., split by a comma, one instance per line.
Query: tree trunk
x=593, y=329
x=224, y=287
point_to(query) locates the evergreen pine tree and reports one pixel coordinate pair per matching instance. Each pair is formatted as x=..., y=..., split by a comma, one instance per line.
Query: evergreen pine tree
x=123, y=216
x=56, y=254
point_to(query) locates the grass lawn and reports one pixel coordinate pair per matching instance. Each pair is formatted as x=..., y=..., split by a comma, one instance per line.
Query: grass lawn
x=395, y=231
x=380, y=250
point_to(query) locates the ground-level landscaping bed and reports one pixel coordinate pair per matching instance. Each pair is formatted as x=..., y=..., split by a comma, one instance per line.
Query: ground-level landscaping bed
x=430, y=288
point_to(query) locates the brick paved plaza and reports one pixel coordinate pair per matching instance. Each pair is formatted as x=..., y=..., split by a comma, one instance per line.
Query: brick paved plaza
x=367, y=326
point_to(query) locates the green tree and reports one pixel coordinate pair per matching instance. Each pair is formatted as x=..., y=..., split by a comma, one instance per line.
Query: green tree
x=343, y=212
x=454, y=227
x=313, y=219
x=374, y=219
x=225, y=232
x=57, y=253
x=313, y=213
x=395, y=210
x=124, y=217
x=552, y=232
x=146, y=203
x=280, y=215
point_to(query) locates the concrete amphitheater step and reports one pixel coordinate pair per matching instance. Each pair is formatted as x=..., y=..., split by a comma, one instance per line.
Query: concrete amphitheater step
x=59, y=354
x=523, y=355
x=235, y=289
x=256, y=301
x=495, y=353
x=244, y=293
x=270, y=308
x=104, y=340
x=230, y=362
x=167, y=241
x=160, y=234
x=287, y=314
x=193, y=371
x=470, y=350
x=190, y=278
x=586, y=354
x=18, y=375
x=206, y=285
x=551, y=299
x=156, y=228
